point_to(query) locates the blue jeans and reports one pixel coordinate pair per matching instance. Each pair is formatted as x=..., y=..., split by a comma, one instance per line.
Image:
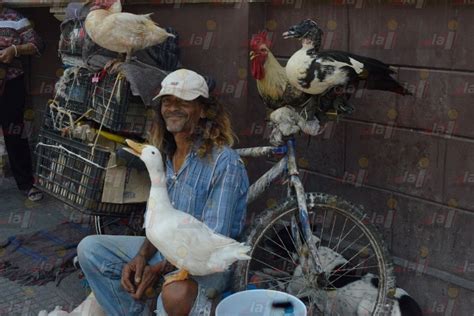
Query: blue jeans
x=102, y=258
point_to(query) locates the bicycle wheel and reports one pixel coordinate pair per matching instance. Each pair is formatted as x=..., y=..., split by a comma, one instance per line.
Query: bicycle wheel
x=109, y=225
x=357, y=277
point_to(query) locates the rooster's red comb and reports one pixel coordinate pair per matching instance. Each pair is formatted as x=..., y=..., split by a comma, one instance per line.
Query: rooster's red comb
x=259, y=39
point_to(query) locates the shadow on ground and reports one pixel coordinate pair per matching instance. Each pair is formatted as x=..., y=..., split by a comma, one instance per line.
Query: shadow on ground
x=20, y=216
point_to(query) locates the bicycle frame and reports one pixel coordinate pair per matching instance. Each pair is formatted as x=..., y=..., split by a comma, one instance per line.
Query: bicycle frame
x=287, y=163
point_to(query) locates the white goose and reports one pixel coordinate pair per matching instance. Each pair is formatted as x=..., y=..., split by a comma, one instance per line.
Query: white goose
x=187, y=243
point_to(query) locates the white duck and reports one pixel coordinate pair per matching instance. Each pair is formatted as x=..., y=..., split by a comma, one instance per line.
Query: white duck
x=122, y=32
x=184, y=241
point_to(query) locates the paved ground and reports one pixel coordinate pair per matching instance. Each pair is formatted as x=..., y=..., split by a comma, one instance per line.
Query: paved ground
x=17, y=216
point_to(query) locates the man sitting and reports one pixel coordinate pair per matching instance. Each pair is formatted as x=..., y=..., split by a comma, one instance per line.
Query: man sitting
x=205, y=178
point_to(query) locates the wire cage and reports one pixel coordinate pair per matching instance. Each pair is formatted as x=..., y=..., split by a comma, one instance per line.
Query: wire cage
x=116, y=108
x=57, y=118
x=73, y=89
x=71, y=172
x=71, y=40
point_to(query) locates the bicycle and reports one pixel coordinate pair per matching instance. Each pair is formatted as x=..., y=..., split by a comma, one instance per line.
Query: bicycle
x=312, y=244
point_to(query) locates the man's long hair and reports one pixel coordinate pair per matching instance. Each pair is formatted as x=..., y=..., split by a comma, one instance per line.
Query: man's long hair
x=213, y=130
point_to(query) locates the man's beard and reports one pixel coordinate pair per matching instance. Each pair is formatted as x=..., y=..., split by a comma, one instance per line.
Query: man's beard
x=176, y=126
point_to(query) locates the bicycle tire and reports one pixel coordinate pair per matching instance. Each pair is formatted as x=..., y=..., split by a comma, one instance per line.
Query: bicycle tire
x=244, y=273
x=109, y=225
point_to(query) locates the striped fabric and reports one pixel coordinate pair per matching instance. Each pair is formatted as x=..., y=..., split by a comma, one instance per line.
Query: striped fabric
x=213, y=190
x=16, y=29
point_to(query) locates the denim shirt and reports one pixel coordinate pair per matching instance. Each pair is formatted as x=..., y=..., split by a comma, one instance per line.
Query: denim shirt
x=213, y=189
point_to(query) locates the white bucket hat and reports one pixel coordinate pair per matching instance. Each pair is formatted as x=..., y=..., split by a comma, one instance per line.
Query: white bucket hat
x=184, y=84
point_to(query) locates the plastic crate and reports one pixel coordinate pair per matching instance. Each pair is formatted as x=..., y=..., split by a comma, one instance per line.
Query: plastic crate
x=125, y=114
x=73, y=180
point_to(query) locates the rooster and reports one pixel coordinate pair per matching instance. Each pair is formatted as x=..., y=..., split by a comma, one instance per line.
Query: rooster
x=272, y=82
x=122, y=32
x=315, y=72
x=275, y=89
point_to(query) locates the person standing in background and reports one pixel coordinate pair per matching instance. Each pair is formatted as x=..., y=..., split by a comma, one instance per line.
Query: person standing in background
x=17, y=38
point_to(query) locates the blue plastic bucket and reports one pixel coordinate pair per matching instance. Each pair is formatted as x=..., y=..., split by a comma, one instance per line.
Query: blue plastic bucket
x=261, y=303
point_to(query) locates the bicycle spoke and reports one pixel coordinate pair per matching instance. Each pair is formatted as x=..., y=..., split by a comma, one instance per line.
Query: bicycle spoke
x=353, y=227
x=281, y=247
x=292, y=240
x=270, y=266
x=332, y=231
x=350, y=245
x=276, y=233
x=283, y=283
x=353, y=258
x=365, y=267
x=354, y=267
x=269, y=280
x=322, y=227
x=342, y=231
x=275, y=254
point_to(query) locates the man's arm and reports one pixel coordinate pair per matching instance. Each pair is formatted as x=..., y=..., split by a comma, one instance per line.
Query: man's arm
x=226, y=201
x=136, y=267
x=147, y=250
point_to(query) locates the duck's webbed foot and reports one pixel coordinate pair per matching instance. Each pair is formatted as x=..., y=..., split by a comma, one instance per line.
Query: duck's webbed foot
x=180, y=276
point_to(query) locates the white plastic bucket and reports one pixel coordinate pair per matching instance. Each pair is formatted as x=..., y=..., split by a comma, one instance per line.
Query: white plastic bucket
x=260, y=303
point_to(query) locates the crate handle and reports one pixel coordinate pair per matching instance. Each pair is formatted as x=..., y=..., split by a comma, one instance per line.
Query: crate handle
x=61, y=147
x=53, y=106
x=119, y=77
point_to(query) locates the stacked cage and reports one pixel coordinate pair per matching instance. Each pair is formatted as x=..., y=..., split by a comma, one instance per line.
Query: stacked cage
x=73, y=157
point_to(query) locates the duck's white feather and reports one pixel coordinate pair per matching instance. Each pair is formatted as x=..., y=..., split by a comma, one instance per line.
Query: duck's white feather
x=298, y=65
x=183, y=240
x=190, y=244
x=123, y=32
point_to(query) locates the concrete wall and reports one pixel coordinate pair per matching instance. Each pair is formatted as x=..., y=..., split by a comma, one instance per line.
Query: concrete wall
x=414, y=153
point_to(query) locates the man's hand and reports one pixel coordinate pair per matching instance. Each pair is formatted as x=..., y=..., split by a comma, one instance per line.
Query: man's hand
x=132, y=273
x=7, y=55
x=137, y=276
x=149, y=277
